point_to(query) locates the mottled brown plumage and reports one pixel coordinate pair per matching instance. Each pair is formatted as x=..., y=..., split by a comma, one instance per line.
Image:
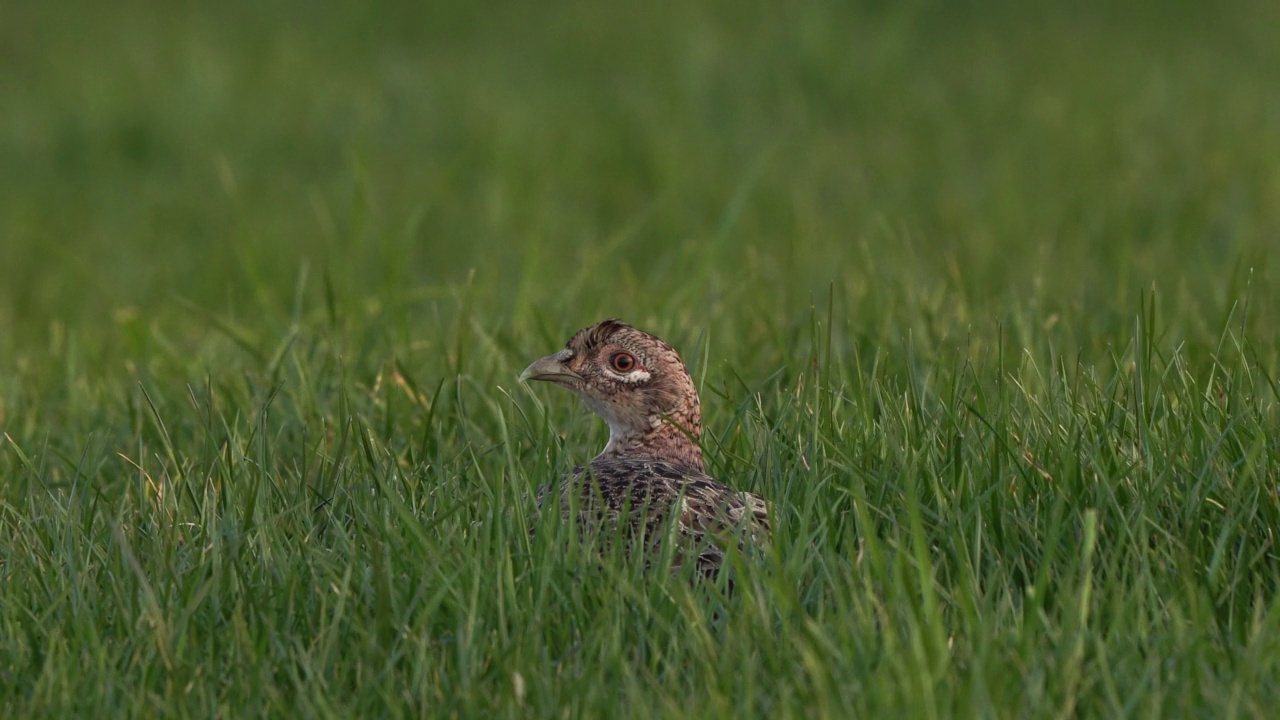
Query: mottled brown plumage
x=649, y=478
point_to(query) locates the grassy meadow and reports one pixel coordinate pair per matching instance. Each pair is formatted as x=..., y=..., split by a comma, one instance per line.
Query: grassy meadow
x=981, y=296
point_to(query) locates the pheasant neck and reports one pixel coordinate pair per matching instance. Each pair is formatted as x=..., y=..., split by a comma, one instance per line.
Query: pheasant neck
x=665, y=441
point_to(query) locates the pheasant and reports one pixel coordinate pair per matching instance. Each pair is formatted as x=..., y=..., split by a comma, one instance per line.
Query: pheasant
x=650, y=477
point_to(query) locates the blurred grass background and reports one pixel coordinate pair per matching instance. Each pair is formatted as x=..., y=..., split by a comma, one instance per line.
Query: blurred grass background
x=207, y=211
x=985, y=153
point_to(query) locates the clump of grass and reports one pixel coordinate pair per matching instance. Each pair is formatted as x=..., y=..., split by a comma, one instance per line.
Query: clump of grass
x=971, y=536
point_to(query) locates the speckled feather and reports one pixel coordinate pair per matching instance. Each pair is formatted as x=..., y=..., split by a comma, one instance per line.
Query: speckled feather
x=650, y=477
x=643, y=493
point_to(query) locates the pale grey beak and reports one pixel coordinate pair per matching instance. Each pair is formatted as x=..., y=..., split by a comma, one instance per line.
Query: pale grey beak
x=551, y=368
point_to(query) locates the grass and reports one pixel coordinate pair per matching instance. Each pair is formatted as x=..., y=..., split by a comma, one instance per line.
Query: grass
x=980, y=296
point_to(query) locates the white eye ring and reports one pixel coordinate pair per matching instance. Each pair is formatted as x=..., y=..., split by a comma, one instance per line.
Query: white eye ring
x=632, y=378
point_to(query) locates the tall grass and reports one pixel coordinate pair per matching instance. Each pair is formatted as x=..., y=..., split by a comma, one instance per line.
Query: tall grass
x=978, y=296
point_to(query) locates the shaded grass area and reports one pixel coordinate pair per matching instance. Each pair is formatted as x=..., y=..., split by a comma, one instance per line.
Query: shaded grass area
x=979, y=297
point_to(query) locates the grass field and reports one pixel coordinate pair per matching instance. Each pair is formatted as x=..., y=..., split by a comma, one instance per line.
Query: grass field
x=981, y=297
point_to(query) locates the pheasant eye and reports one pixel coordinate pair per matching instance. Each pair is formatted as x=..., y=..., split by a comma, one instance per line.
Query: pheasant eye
x=622, y=362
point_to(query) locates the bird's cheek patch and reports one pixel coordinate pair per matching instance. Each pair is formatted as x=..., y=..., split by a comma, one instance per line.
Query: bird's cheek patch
x=635, y=377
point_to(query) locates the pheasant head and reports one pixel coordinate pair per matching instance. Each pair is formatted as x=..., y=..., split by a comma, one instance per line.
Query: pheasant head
x=638, y=384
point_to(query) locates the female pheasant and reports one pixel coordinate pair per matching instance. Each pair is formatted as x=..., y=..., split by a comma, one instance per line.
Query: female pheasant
x=649, y=478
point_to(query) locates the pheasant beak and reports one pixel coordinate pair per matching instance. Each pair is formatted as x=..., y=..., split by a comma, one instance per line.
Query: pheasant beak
x=552, y=368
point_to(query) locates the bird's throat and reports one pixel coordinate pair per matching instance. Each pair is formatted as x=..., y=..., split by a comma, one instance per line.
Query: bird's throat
x=664, y=440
